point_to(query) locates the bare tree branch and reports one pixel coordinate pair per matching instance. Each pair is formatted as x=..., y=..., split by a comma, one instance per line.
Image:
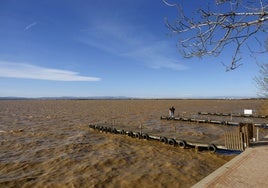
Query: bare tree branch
x=211, y=32
x=262, y=80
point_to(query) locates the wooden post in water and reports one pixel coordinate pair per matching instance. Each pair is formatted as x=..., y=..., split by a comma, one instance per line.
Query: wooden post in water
x=113, y=123
x=140, y=128
x=174, y=126
x=241, y=141
x=251, y=131
x=257, y=136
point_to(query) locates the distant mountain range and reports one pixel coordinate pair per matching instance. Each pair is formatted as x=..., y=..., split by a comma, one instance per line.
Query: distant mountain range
x=116, y=98
x=64, y=98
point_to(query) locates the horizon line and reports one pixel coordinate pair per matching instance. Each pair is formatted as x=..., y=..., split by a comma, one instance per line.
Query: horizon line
x=128, y=98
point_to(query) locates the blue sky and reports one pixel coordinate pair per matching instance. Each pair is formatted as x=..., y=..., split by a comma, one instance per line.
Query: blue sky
x=89, y=48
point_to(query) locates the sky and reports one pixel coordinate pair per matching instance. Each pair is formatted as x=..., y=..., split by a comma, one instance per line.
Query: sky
x=87, y=48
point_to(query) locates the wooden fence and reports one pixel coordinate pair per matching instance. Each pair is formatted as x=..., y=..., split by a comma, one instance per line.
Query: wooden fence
x=234, y=140
x=240, y=138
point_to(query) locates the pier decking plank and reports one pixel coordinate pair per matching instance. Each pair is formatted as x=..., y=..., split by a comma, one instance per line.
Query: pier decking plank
x=248, y=169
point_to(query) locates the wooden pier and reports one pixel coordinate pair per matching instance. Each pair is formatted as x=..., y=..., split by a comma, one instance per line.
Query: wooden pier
x=105, y=128
x=209, y=121
x=234, y=140
x=233, y=115
x=237, y=140
x=248, y=169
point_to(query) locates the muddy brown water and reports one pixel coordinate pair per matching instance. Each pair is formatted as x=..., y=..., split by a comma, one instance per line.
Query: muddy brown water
x=47, y=143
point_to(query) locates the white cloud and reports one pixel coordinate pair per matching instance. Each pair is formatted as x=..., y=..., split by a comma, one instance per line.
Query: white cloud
x=27, y=71
x=133, y=42
x=30, y=26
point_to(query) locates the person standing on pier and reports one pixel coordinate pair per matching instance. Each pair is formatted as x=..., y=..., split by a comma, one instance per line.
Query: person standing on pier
x=171, y=112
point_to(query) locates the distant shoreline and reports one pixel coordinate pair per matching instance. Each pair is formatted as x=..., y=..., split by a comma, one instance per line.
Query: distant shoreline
x=129, y=98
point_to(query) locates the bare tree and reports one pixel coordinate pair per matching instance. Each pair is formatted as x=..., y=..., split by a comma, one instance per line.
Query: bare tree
x=210, y=32
x=262, y=81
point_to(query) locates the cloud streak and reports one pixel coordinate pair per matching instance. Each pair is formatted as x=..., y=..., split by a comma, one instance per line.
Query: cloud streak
x=124, y=40
x=156, y=56
x=28, y=71
x=30, y=26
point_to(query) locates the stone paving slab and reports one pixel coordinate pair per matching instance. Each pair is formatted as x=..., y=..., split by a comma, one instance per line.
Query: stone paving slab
x=249, y=169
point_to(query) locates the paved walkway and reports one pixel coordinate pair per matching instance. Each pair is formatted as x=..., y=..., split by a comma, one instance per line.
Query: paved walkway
x=249, y=169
